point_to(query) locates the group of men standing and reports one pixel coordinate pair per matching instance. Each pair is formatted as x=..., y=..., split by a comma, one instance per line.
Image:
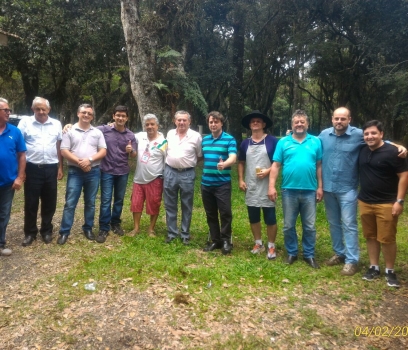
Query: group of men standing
x=313, y=168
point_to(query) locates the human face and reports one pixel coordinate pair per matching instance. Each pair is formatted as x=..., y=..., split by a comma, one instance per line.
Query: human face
x=151, y=128
x=256, y=124
x=299, y=126
x=41, y=111
x=341, y=120
x=85, y=115
x=120, y=119
x=182, y=122
x=4, y=116
x=373, y=137
x=215, y=126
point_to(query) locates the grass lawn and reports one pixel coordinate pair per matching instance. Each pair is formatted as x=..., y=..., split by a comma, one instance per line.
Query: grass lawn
x=153, y=295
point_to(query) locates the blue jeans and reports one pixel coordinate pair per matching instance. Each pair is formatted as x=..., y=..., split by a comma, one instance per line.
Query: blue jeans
x=78, y=179
x=6, y=199
x=111, y=185
x=175, y=182
x=341, y=212
x=301, y=202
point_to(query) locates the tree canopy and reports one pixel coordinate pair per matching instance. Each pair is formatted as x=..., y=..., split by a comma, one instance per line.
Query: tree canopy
x=201, y=55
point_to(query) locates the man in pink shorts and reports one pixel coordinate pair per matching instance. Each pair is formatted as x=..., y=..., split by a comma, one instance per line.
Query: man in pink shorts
x=148, y=179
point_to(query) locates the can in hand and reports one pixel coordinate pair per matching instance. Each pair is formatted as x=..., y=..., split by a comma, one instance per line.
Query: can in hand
x=258, y=169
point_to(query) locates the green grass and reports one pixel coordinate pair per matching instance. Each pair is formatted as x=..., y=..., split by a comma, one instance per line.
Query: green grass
x=143, y=258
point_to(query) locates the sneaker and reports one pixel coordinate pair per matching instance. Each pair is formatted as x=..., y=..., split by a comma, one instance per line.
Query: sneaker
x=258, y=248
x=271, y=253
x=5, y=251
x=101, y=237
x=392, y=281
x=349, y=270
x=116, y=229
x=371, y=274
x=335, y=260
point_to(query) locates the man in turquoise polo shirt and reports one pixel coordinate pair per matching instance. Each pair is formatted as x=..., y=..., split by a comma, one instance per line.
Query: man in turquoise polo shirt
x=300, y=155
x=219, y=152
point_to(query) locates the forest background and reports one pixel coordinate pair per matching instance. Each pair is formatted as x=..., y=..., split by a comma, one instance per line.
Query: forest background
x=158, y=56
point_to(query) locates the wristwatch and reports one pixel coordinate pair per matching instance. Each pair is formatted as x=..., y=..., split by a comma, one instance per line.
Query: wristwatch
x=400, y=201
x=90, y=159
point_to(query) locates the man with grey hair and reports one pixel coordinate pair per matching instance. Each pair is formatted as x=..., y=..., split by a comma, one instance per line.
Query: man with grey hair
x=183, y=152
x=12, y=169
x=42, y=135
x=148, y=179
x=84, y=147
x=300, y=155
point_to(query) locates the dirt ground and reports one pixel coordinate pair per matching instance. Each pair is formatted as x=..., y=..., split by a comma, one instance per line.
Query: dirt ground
x=34, y=315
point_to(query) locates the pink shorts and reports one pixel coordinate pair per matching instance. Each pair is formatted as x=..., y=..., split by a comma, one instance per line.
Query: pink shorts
x=151, y=193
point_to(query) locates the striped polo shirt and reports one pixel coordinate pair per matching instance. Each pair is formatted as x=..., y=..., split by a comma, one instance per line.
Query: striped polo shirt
x=213, y=150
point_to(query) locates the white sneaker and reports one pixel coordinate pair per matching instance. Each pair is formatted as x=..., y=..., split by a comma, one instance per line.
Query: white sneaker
x=258, y=248
x=5, y=252
x=271, y=253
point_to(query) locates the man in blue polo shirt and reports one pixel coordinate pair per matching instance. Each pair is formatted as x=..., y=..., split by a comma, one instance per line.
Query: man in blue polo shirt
x=219, y=152
x=12, y=171
x=300, y=154
x=341, y=147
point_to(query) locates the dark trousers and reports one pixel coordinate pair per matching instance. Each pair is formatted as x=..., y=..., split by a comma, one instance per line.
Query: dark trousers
x=218, y=199
x=41, y=183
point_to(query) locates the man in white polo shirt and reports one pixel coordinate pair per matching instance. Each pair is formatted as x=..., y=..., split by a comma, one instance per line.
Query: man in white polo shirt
x=183, y=152
x=83, y=146
x=42, y=136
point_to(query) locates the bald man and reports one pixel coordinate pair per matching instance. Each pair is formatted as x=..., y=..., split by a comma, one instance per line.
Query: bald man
x=341, y=147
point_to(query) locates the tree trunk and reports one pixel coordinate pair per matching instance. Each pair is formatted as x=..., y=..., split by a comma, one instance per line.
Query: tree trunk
x=141, y=46
x=236, y=108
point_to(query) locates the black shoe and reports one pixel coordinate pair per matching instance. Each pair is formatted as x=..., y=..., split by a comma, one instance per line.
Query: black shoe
x=212, y=246
x=47, y=238
x=185, y=241
x=170, y=239
x=101, y=237
x=89, y=234
x=62, y=239
x=226, y=248
x=117, y=230
x=290, y=259
x=312, y=262
x=28, y=240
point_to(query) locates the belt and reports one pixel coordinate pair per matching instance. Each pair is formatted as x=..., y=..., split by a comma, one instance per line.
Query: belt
x=42, y=165
x=180, y=169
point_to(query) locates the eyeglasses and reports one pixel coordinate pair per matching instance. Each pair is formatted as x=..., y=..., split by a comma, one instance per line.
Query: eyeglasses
x=6, y=110
x=85, y=113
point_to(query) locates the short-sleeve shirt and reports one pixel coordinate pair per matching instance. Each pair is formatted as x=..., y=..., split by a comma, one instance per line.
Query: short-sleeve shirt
x=116, y=160
x=151, y=157
x=378, y=174
x=298, y=161
x=340, y=159
x=213, y=150
x=41, y=139
x=83, y=143
x=11, y=143
x=270, y=143
x=184, y=153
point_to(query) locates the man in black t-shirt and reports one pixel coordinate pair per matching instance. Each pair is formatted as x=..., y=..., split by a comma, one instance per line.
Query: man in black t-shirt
x=383, y=185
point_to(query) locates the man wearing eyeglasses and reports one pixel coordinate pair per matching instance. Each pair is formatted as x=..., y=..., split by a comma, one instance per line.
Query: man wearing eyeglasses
x=84, y=147
x=12, y=171
x=42, y=136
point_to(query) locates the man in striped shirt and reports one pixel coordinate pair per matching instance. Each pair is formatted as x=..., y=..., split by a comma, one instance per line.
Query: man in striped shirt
x=219, y=152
